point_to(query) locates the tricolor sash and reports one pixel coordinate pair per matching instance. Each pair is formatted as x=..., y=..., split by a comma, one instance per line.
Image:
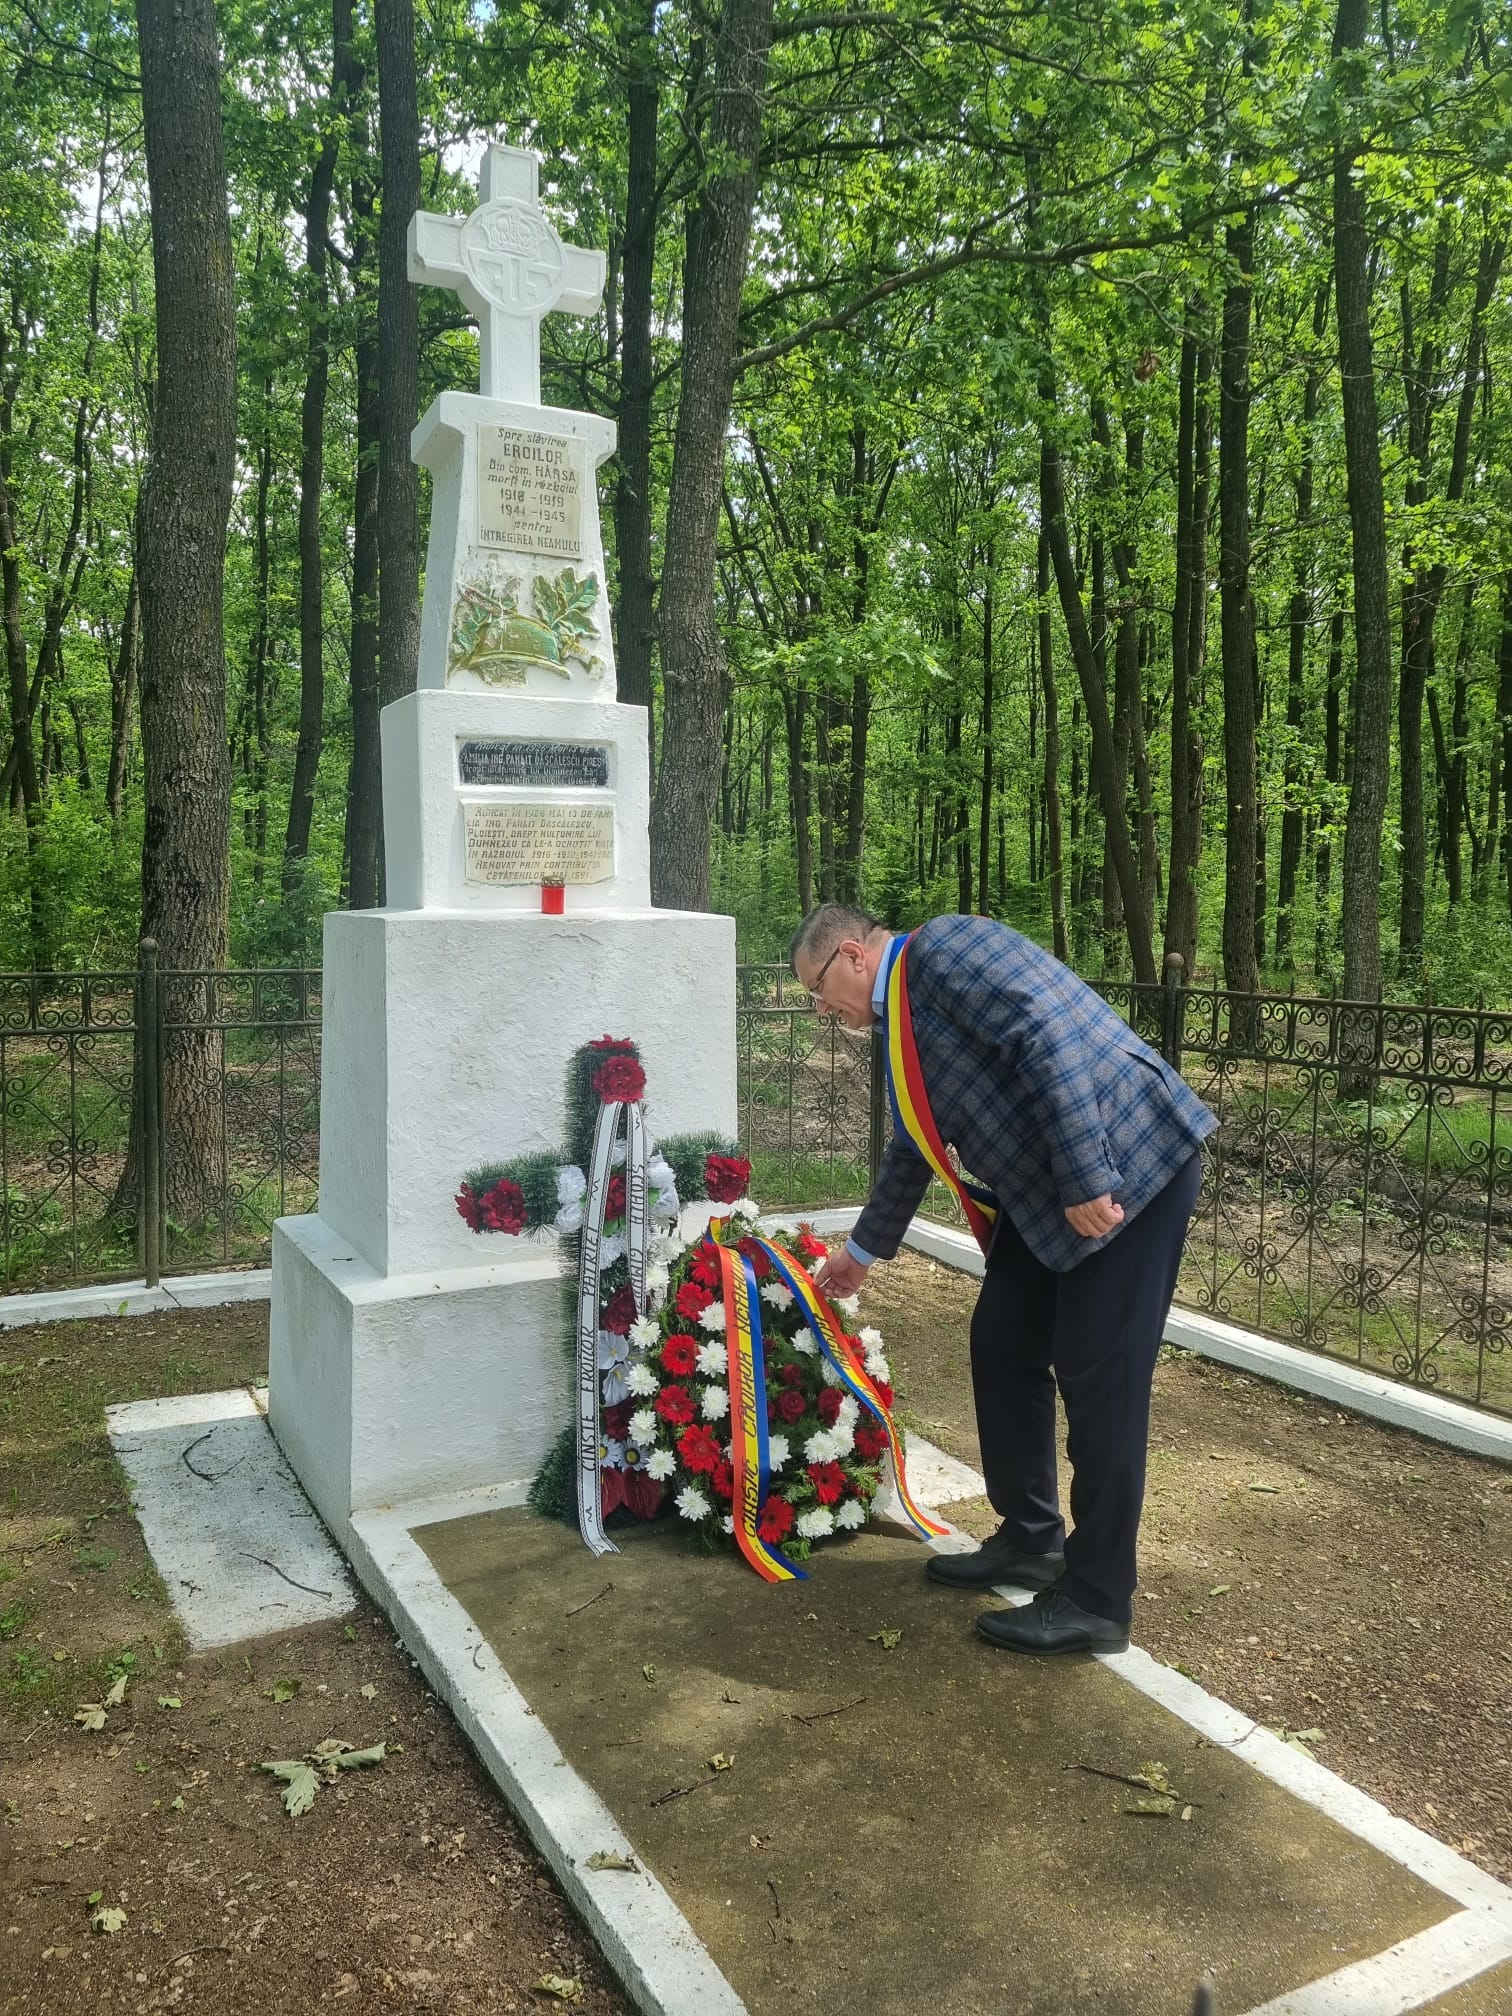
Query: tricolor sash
x=910, y=1100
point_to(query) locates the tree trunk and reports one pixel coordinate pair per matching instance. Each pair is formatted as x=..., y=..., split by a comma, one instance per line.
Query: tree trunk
x=1190, y=593
x=1240, y=972
x=1052, y=753
x=984, y=826
x=632, y=495
x=795, y=710
x=398, y=354
x=186, y=502
x=123, y=686
x=364, y=807
x=1333, y=772
x=261, y=637
x=1367, y=517
x=692, y=649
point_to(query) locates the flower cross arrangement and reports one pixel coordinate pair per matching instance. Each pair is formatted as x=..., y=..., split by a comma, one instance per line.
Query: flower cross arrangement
x=714, y=1380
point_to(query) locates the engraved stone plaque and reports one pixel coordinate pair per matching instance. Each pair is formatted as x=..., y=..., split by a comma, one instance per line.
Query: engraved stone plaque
x=538, y=843
x=530, y=492
x=551, y=763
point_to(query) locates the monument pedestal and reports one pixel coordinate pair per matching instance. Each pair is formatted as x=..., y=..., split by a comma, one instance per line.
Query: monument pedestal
x=409, y=1355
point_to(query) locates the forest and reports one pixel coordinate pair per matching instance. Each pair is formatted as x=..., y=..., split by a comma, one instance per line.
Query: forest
x=1063, y=460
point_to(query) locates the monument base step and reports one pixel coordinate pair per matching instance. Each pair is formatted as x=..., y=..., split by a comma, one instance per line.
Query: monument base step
x=383, y=1389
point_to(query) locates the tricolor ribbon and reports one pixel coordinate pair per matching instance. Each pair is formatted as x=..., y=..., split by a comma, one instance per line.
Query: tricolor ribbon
x=910, y=1101
x=749, y=1453
x=590, y=1270
x=748, y=1420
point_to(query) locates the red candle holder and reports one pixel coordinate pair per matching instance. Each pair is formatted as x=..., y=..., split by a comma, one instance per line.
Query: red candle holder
x=551, y=899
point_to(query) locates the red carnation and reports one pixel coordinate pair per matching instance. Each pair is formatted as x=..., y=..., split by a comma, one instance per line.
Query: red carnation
x=679, y=1355
x=699, y=1449
x=619, y=1077
x=828, y=1405
x=504, y=1207
x=791, y=1375
x=692, y=1300
x=722, y=1477
x=619, y=1311
x=612, y=1490
x=643, y=1494
x=829, y=1482
x=725, y=1178
x=613, y=1046
x=810, y=1247
x=776, y=1520
x=614, y=1196
x=468, y=1207
x=674, y=1405
x=791, y=1406
x=617, y=1420
x=884, y=1392
x=870, y=1442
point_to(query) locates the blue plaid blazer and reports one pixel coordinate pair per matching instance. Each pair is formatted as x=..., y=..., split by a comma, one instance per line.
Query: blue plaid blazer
x=1046, y=1094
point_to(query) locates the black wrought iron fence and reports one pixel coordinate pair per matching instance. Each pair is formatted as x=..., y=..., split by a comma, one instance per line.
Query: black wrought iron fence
x=1357, y=1198
x=153, y=1121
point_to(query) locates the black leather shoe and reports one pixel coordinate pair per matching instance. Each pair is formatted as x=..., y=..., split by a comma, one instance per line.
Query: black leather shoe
x=1053, y=1623
x=996, y=1560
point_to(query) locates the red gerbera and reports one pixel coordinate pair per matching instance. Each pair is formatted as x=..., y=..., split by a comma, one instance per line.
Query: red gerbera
x=722, y=1477
x=705, y=1273
x=679, y=1355
x=674, y=1404
x=619, y=1077
x=692, y=1300
x=725, y=1178
x=829, y=1482
x=870, y=1442
x=617, y=1419
x=776, y=1520
x=810, y=1247
x=503, y=1207
x=469, y=1208
x=791, y=1406
x=791, y=1375
x=619, y=1311
x=828, y=1405
x=699, y=1448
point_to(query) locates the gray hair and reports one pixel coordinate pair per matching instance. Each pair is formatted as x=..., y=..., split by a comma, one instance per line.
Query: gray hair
x=828, y=925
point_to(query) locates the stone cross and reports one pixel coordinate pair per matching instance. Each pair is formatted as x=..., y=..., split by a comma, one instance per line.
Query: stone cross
x=510, y=268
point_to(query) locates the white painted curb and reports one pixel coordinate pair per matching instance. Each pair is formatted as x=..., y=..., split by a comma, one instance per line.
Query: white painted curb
x=653, y=1950
x=135, y=1298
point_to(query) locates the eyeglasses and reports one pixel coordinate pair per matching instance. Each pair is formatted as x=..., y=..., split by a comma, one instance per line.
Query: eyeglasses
x=816, y=985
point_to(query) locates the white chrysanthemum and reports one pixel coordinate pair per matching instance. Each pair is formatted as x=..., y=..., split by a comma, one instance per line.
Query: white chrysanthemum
x=821, y=1447
x=692, y=1503
x=848, y=1305
x=745, y=1207
x=870, y=1339
x=716, y=1403
x=659, y=1171
x=665, y=1206
x=778, y=1296
x=829, y=1375
x=641, y=1380
x=778, y=1451
x=850, y=1412
x=643, y=1425
x=878, y=1366
x=713, y=1358
x=644, y=1333
x=664, y=1250
x=804, y=1344
x=657, y=1276
x=816, y=1522
x=570, y=1218
x=851, y=1515
x=660, y=1464
x=713, y=1318
x=572, y=1184
x=727, y=1524
x=843, y=1436
x=611, y=1248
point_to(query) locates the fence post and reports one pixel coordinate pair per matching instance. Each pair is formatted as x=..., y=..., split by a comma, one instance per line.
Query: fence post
x=1171, y=1010
x=876, y=1122
x=151, y=1027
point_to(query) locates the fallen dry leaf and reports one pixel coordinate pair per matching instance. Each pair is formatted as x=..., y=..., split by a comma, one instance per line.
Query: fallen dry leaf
x=565, y=1987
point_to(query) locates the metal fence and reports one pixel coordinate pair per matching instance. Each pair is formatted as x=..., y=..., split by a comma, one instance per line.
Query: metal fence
x=1357, y=1199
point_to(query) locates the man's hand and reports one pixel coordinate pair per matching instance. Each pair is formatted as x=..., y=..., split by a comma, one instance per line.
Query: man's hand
x=1096, y=1218
x=842, y=1274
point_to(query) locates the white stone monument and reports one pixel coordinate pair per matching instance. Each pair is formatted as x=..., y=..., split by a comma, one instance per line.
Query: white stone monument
x=410, y=1357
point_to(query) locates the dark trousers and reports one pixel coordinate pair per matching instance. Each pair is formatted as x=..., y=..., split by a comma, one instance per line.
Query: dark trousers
x=1094, y=1332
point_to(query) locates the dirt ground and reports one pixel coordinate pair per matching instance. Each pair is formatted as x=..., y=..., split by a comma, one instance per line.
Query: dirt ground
x=1315, y=1569
x=1365, y=1592
x=406, y=1886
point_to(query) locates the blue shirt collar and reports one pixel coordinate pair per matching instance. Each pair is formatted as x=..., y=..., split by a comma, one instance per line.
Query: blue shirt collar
x=879, y=985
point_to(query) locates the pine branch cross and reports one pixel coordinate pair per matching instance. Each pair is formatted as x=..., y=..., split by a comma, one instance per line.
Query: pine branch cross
x=510, y=269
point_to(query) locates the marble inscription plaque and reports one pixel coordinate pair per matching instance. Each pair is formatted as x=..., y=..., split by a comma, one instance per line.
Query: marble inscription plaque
x=562, y=763
x=530, y=492
x=538, y=843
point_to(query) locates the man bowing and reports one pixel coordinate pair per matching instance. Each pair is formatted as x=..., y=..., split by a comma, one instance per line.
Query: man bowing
x=1087, y=1144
